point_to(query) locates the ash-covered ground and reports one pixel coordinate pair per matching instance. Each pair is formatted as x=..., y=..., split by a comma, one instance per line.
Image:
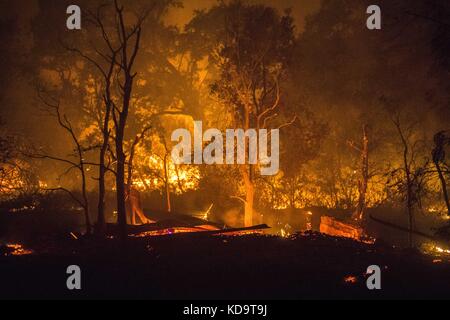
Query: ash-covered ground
x=186, y=266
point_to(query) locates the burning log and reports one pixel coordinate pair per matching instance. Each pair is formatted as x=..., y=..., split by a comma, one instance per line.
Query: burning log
x=180, y=223
x=335, y=228
x=202, y=230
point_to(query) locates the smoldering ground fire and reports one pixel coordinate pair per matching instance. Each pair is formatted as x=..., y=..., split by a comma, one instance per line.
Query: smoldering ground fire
x=224, y=150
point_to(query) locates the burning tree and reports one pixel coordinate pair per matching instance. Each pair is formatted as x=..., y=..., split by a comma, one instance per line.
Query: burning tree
x=154, y=167
x=251, y=47
x=6, y=171
x=129, y=40
x=363, y=183
x=133, y=107
x=114, y=92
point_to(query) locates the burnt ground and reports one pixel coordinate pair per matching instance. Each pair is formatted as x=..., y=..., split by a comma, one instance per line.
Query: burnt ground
x=211, y=267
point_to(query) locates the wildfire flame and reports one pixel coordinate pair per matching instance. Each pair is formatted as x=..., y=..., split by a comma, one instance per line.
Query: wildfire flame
x=441, y=250
x=438, y=253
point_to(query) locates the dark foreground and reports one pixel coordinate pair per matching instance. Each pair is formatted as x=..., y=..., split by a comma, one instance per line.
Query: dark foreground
x=232, y=268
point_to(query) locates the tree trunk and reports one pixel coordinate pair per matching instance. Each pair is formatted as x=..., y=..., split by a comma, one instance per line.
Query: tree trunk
x=363, y=183
x=88, y=221
x=86, y=202
x=444, y=186
x=121, y=158
x=409, y=194
x=101, y=221
x=249, y=195
x=410, y=213
x=408, y=179
x=292, y=197
x=441, y=140
x=121, y=205
x=120, y=185
x=167, y=186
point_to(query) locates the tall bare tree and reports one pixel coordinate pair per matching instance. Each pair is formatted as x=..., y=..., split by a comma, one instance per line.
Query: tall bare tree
x=103, y=108
x=53, y=107
x=115, y=62
x=412, y=174
x=363, y=150
x=130, y=40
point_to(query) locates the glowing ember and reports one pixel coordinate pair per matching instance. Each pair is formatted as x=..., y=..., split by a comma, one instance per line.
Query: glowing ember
x=242, y=233
x=368, y=240
x=284, y=233
x=351, y=279
x=170, y=231
x=23, y=209
x=209, y=229
x=16, y=250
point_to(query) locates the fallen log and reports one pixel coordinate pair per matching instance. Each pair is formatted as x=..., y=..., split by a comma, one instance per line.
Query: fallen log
x=186, y=219
x=199, y=230
x=166, y=221
x=333, y=227
x=237, y=230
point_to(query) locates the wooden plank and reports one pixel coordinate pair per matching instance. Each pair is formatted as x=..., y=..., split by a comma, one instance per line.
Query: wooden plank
x=335, y=228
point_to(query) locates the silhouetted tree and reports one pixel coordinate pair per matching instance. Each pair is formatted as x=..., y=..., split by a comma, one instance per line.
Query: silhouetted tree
x=363, y=150
x=53, y=107
x=441, y=140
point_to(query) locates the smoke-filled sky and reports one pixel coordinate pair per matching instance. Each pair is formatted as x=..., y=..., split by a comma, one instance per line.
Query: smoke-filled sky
x=300, y=9
x=18, y=102
x=20, y=39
